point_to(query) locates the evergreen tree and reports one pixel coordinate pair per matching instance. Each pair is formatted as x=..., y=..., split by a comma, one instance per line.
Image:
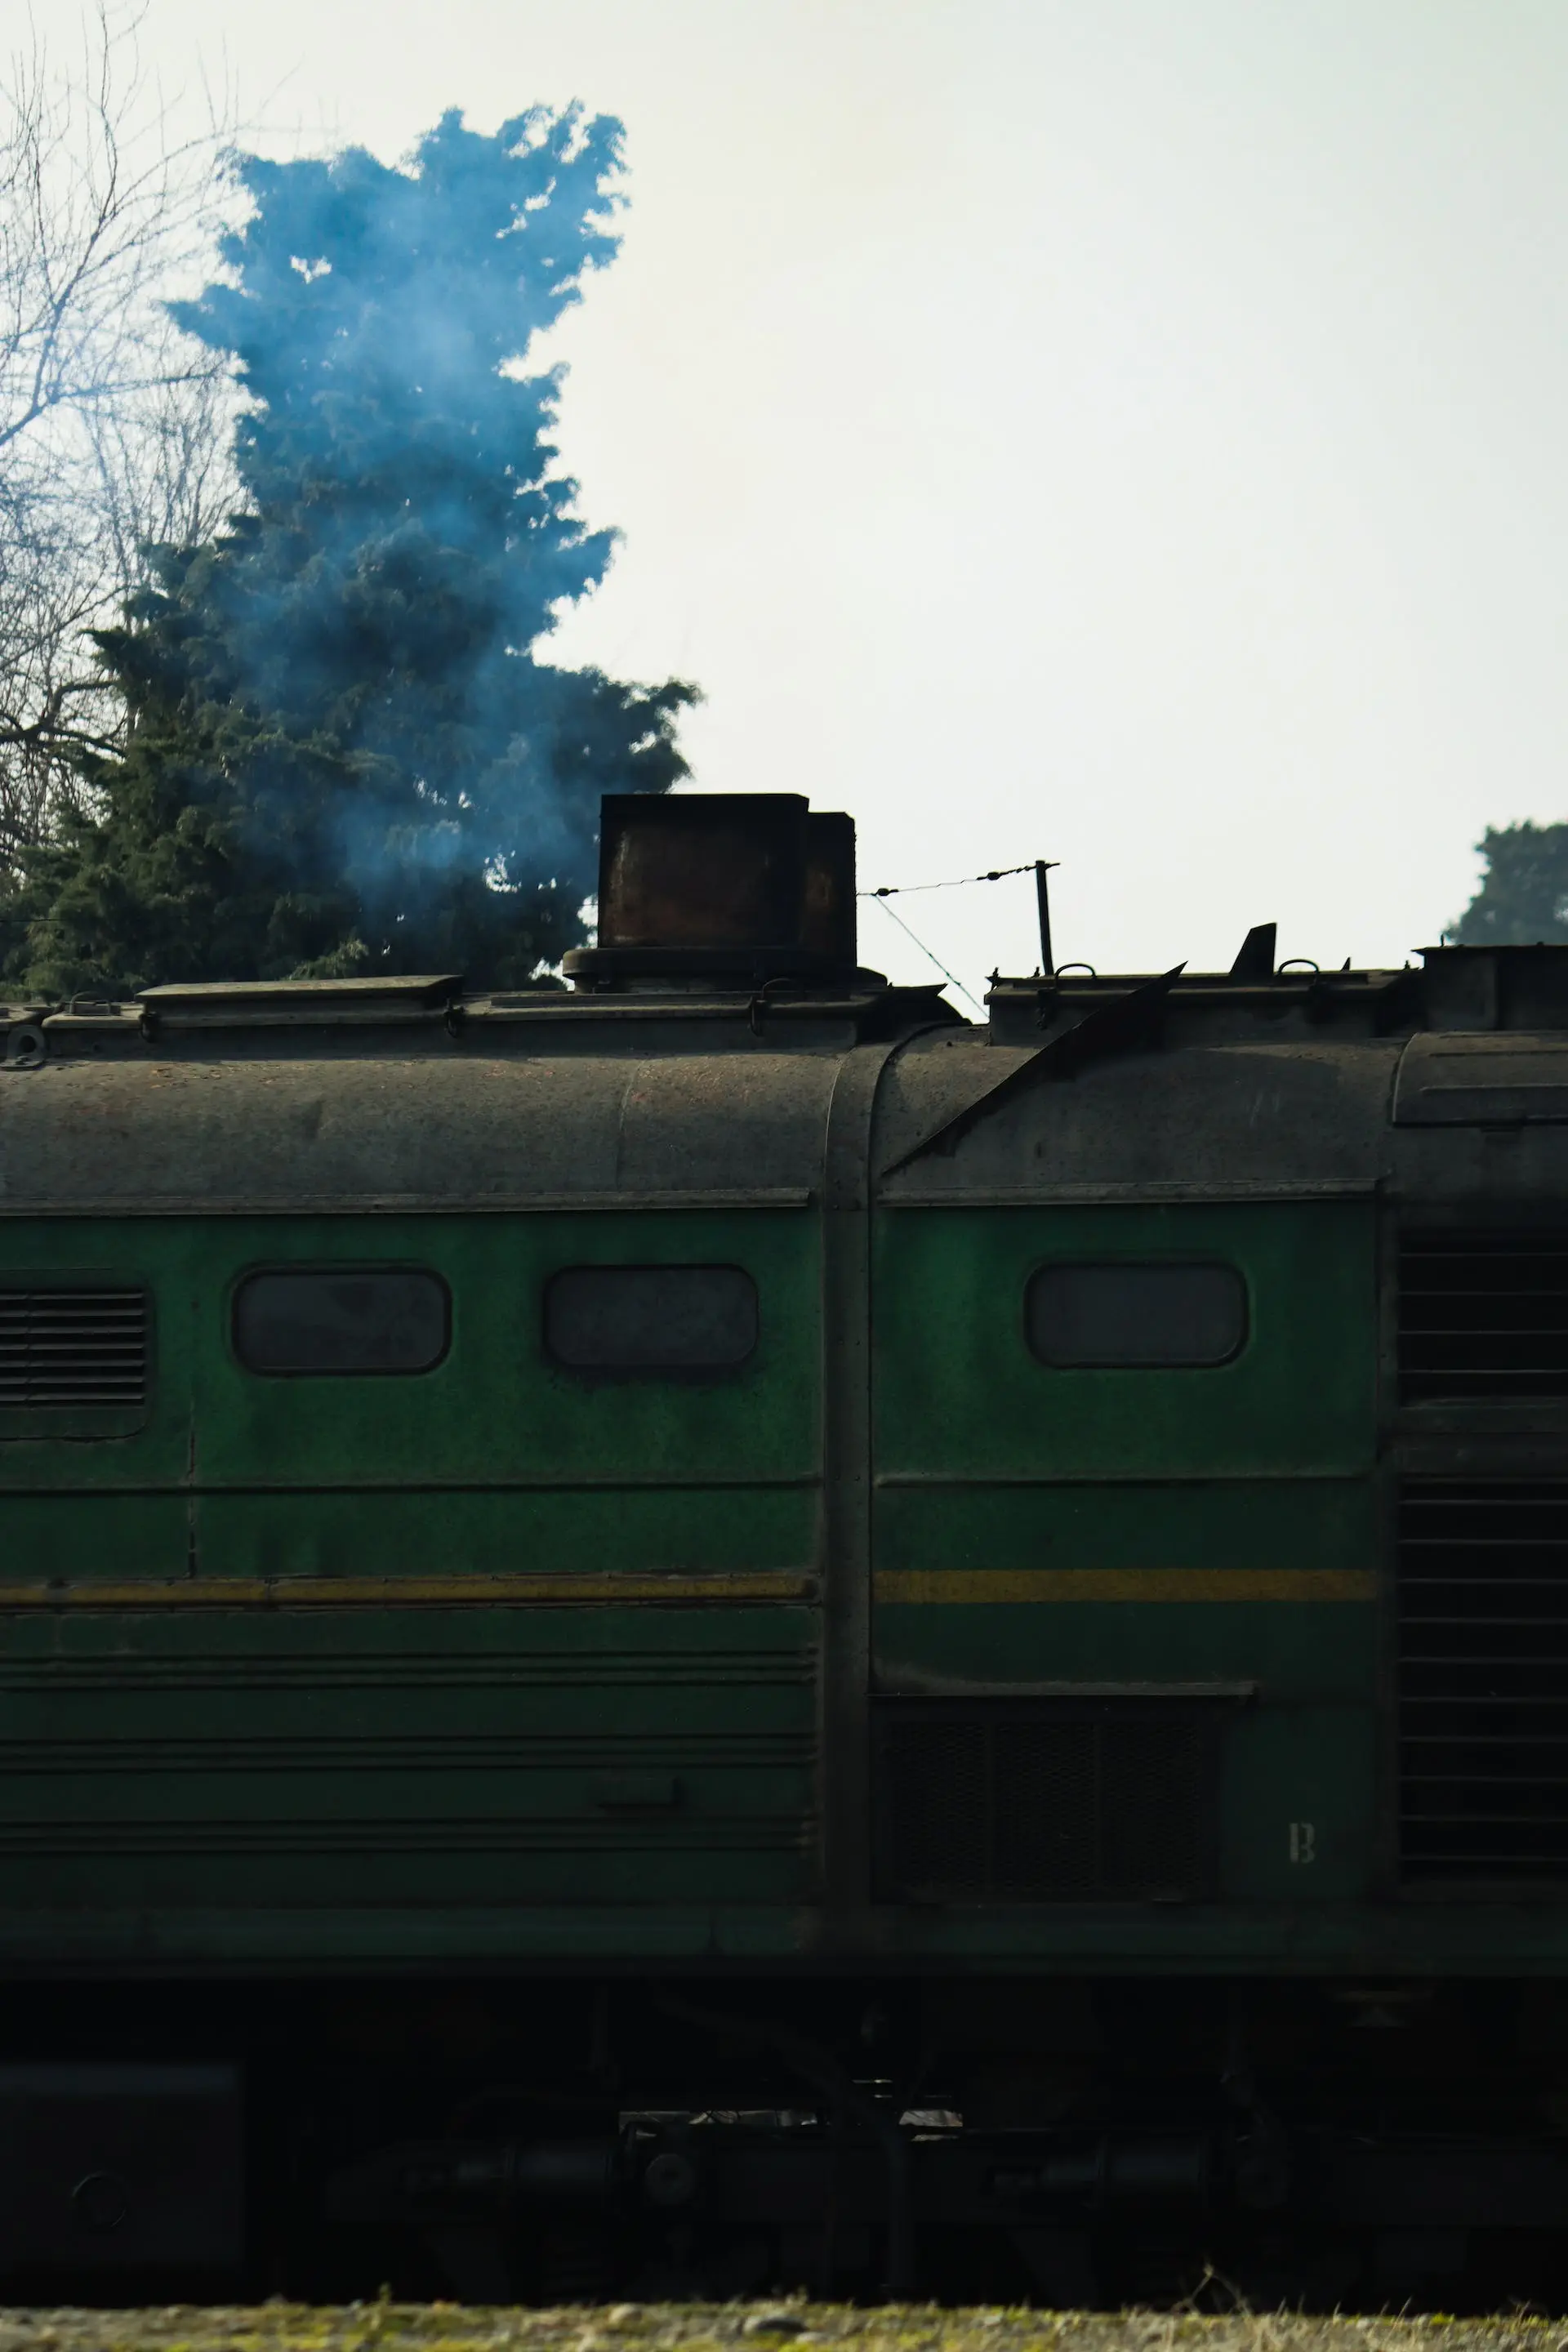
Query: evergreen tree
x=345, y=752
x=1523, y=896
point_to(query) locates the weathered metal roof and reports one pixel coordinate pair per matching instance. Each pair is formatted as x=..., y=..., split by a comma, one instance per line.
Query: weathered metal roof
x=401, y=1095
x=483, y=1133
x=1262, y=1117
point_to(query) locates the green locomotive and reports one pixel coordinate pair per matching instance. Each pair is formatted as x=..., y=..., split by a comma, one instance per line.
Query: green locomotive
x=714, y=1629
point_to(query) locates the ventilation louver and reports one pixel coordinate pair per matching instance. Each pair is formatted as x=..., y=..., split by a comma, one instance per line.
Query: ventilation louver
x=1483, y=1682
x=992, y=1804
x=1483, y=1315
x=72, y=1348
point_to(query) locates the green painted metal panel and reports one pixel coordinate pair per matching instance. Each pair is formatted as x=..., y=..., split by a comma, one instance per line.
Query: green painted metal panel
x=340, y=1533
x=993, y=1468
x=497, y=1407
x=198, y=1758
x=1318, y=1649
x=477, y=1755
x=495, y=1410
x=1297, y=1822
x=960, y=1395
x=507, y=1778
x=1297, y=1523
x=401, y=1532
x=60, y=1537
x=89, y=1451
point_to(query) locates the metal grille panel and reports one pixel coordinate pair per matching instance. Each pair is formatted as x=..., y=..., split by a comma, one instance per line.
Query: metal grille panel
x=1483, y=1315
x=73, y=1348
x=1072, y=1802
x=1483, y=1682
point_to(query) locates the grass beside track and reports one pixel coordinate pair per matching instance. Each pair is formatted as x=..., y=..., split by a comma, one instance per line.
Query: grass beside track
x=710, y=2327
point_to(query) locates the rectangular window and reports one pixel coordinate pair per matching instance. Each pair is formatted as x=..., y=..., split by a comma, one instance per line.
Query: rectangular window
x=334, y=1319
x=1135, y=1317
x=66, y=1348
x=635, y=1320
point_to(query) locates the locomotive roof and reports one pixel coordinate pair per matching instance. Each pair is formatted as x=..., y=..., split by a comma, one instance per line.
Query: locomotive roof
x=1451, y=1074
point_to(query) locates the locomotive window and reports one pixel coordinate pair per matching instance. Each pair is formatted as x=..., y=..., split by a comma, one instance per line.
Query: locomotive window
x=332, y=1319
x=1135, y=1317
x=639, y=1319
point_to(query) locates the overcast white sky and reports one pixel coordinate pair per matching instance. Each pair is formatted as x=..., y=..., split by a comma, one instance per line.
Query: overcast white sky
x=1126, y=431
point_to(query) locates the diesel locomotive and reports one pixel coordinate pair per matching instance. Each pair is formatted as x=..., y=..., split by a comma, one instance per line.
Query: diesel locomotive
x=711, y=1630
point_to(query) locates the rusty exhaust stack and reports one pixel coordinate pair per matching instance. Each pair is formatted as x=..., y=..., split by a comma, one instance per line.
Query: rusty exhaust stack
x=727, y=889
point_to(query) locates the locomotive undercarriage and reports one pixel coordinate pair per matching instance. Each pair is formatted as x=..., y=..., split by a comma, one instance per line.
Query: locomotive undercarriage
x=1061, y=2142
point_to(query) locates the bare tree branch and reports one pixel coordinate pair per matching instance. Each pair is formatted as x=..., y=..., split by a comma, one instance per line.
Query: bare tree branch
x=114, y=428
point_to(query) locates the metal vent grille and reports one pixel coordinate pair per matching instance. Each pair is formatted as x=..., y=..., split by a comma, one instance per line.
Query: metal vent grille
x=1483, y=1682
x=1483, y=1315
x=73, y=1348
x=1065, y=1803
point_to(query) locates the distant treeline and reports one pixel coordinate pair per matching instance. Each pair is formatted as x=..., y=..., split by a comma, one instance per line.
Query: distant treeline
x=1523, y=896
